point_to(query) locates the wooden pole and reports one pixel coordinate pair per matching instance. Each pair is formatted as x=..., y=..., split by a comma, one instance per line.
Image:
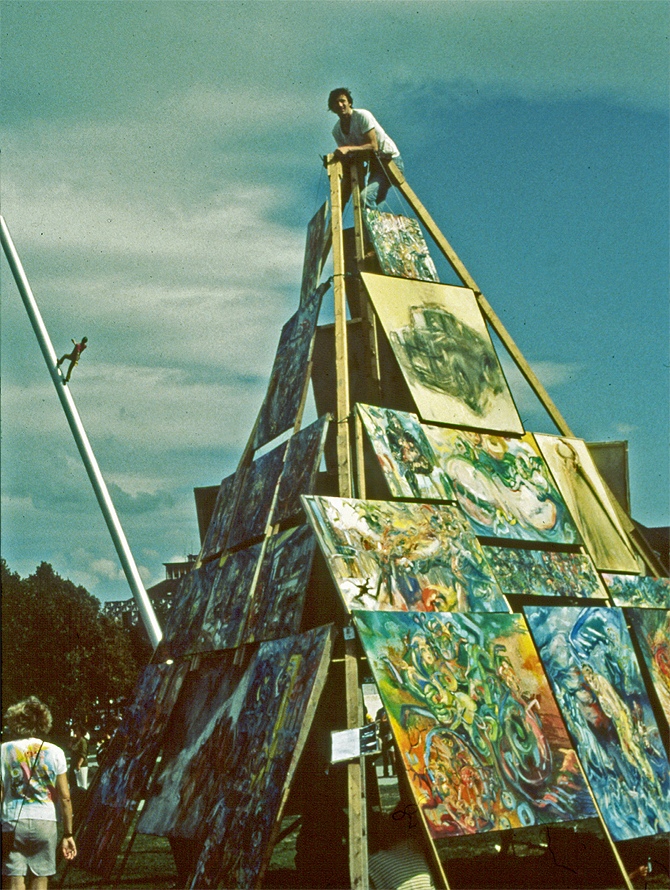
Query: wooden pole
x=358, y=840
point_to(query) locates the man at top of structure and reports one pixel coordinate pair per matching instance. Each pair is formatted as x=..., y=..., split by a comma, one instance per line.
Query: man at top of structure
x=358, y=132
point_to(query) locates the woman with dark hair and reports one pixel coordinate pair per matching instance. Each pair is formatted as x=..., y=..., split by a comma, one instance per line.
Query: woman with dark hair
x=34, y=780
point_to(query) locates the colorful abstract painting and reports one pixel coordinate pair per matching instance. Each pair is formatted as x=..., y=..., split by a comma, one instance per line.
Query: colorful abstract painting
x=127, y=768
x=400, y=246
x=503, y=486
x=223, y=622
x=405, y=455
x=288, y=378
x=652, y=631
x=640, y=591
x=257, y=497
x=544, y=573
x=586, y=496
x=318, y=236
x=473, y=717
x=591, y=664
x=403, y=556
x=188, y=610
x=219, y=525
x=303, y=457
x=439, y=337
x=225, y=785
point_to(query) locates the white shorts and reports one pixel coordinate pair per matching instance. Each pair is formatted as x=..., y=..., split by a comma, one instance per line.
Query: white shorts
x=33, y=850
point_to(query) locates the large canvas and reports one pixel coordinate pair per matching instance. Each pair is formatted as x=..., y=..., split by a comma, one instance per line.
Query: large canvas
x=188, y=610
x=257, y=497
x=405, y=455
x=652, y=631
x=639, y=591
x=440, y=340
x=400, y=246
x=475, y=722
x=591, y=664
x=584, y=492
x=544, y=573
x=226, y=788
x=397, y=556
x=219, y=525
x=503, y=486
x=303, y=458
x=318, y=234
x=223, y=622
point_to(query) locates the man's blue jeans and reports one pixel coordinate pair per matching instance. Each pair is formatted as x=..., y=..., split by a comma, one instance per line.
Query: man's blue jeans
x=378, y=184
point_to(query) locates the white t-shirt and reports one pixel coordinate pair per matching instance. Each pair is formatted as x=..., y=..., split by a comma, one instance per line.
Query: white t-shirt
x=35, y=791
x=361, y=123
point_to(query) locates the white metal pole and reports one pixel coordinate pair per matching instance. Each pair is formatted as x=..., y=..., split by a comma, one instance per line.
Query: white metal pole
x=104, y=500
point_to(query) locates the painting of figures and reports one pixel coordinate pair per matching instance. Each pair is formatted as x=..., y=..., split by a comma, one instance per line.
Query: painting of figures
x=591, y=664
x=188, y=610
x=405, y=455
x=503, y=486
x=640, y=591
x=318, y=236
x=473, y=717
x=544, y=573
x=305, y=450
x=223, y=622
x=288, y=378
x=439, y=337
x=652, y=631
x=584, y=492
x=219, y=524
x=226, y=786
x=402, y=556
x=400, y=246
x=257, y=497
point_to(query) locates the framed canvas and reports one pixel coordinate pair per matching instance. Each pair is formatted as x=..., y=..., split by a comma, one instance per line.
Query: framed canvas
x=257, y=497
x=400, y=246
x=544, y=573
x=219, y=525
x=474, y=720
x=652, y=631
x=403, y=556
x=503, y=486
x=405, y=455
x=316, y=244
x=639, y=591
x=188, y=610
x=591, y=664
x=303, y=457
x=585, y=494
x=439, y=337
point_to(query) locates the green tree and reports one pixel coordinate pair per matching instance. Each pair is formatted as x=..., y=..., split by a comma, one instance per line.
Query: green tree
x=58, y=645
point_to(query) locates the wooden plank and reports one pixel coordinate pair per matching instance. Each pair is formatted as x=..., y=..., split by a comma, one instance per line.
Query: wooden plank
x=360, y=457
x=424, y=217
x=358, y=841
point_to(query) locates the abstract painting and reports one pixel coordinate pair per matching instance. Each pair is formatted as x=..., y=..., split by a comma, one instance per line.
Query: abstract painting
x=639, y=590
x=544, y=573
x=219, y=524
x=652, y=631
x=226, y=785
x=188, y=610
x=473, y=717
x=584, y=492
x=318, y=235
x=403, y=556
x=503, y=486
x=257, y=497
x=439, y=337
x=405, y=455
x=305, y=450
x=223, y=622
x=286, y=387
x=400, y=246
x=591, y=664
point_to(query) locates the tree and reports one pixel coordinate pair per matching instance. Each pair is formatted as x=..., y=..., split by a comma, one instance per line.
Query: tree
x=58, y=645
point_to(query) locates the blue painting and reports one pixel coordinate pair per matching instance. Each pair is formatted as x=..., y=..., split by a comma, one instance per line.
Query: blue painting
x=188, y=609
x=639, y=591
x=257, y=497
x=223, y=622
x=544, y=573
x=303, y=457
x=219, y=525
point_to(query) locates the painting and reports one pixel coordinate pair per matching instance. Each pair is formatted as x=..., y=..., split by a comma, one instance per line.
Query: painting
x=316, y=243
x=288, y=378
x=257, y=497
x=439, y=337
x=591, y=664
x=303, y=457
x=122, y=779
x=639, y=591
x=544, y=573
x=223, y=622
x=503, y=486
x=474, y=720
x=652, y=631
x=188, y=610
x=405, y=455
x=403, y=556
x=586, y=496
x=219, y=525
x=226, y=784
x=400, y=246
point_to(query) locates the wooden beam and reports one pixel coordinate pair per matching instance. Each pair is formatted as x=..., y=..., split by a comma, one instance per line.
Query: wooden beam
x=398, y=179
x=358, y=840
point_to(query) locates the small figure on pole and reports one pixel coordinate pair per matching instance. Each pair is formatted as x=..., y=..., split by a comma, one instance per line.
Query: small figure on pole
x=73, y=357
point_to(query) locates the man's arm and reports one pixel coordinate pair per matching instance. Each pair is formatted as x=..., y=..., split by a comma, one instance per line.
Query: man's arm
x=369, y=145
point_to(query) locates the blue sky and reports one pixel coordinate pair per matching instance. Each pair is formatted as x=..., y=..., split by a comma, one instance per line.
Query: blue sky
x=160, y=165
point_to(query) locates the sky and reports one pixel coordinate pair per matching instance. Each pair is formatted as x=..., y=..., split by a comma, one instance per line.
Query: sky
x=161, y=161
